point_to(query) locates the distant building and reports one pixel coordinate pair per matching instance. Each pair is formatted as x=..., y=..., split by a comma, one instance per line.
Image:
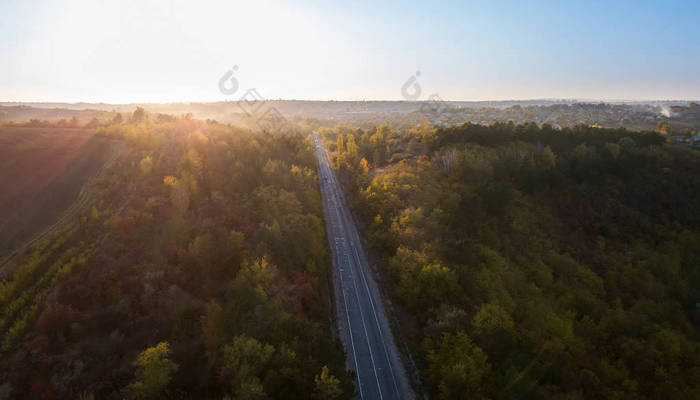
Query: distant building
x=695, y=140
x=679, y=139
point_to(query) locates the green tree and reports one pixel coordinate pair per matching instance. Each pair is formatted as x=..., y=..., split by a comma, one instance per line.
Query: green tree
x=384, y=131
x=138, y=116
x=94, y=214
x=178, y=193
x=327, y=385
x=378, y=144
x=663, y=127
x=492, y=318
x=339, y=145
x=153, y=373
x=244, y=361
x=351, y=146
x=458, y=368
x=435, y=285
x=545, y=158
x=494, y=330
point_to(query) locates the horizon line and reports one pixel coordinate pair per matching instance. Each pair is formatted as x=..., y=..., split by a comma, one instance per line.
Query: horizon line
x=552, y=99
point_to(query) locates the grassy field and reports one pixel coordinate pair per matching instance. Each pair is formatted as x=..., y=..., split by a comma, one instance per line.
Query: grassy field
x=42, y=171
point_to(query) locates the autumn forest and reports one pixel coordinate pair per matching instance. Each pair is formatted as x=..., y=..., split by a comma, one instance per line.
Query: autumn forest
x=519, y=261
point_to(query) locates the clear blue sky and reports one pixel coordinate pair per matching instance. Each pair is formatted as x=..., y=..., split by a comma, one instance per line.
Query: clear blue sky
x=172, y=50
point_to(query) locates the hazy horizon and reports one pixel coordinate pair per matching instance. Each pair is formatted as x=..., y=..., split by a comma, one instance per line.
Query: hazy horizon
x=172, y=51
x=499, y=100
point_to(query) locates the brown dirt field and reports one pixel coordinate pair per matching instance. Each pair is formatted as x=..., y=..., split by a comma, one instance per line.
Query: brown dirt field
x=24, y=113
x=41, y=173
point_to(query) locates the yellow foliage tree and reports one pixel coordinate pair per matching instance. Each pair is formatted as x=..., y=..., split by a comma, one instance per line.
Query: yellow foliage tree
x=153, y=372
x=146, y=165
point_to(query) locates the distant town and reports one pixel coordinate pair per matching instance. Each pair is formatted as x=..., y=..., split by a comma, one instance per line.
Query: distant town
x=679, y=120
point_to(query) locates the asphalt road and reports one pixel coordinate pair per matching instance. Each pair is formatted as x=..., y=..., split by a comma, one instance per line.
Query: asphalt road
x=362, y=322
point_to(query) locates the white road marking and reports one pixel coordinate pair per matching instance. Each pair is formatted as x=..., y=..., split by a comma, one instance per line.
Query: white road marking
x=343, y=230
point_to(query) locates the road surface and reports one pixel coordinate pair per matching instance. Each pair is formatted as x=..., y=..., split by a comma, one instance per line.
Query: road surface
x=362, y=322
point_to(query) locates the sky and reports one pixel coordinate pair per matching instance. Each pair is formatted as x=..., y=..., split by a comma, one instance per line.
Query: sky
x=172, y=50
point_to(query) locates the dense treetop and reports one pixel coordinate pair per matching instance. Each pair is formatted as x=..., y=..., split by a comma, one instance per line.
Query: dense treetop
x=200, y=271
x=534, y=262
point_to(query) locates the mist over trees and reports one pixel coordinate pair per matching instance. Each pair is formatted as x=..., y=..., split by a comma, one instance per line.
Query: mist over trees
x=200, y=271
